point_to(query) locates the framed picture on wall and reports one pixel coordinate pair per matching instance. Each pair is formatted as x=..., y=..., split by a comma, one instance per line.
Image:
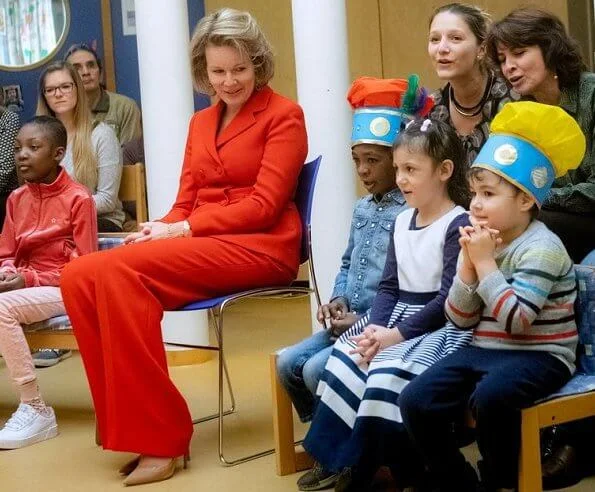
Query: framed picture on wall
x=128, y=18
x=13, y=99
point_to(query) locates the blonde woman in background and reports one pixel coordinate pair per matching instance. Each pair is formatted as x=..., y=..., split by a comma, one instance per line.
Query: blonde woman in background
x=93, y=156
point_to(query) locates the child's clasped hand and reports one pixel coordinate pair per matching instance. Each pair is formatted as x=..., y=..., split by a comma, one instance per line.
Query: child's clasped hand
x=373, y=339
x=337, y=314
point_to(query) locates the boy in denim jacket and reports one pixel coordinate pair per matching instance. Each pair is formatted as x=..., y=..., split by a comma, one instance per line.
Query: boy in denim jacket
x=300, y=366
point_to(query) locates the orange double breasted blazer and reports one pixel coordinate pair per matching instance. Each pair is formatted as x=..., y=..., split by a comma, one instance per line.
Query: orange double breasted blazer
x=238, y=185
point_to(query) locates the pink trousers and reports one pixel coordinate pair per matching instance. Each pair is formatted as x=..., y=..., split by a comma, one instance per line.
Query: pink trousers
x=24, y=306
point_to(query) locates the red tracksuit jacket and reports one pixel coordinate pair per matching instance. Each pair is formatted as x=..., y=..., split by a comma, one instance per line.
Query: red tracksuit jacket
x=46, y=226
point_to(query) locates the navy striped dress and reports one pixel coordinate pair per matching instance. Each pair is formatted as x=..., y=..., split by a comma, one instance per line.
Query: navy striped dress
x=358, y=404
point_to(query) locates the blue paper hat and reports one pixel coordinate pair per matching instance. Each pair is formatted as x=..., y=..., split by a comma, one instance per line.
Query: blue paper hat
x=376, y=125
x=531, y=144
x=383, y=106
x=519, y=162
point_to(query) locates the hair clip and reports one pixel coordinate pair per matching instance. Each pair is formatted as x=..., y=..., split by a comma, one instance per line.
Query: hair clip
x=425, y=125
x=409, y=123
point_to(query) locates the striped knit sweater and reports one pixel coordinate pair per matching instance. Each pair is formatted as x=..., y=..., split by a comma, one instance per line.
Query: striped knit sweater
x=528, y=304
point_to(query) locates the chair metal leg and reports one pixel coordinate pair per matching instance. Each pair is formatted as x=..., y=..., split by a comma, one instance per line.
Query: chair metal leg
x=222, y=457
x=222, y=368
x=232, y=406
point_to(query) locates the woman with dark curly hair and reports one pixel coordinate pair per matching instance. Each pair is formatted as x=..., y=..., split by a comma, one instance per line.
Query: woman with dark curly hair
x=542, y=62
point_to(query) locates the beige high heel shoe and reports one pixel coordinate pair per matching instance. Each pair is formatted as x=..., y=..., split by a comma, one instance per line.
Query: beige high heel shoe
x=129, y=467
x=138, y=475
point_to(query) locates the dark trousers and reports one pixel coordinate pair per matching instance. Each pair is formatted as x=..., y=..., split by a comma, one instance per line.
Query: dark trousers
x=495, y=385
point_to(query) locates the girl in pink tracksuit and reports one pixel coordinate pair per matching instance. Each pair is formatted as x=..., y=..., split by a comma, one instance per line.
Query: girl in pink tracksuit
x=50, y=220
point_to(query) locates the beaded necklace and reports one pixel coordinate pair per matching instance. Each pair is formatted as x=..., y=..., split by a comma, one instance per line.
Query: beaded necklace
x=476, y=109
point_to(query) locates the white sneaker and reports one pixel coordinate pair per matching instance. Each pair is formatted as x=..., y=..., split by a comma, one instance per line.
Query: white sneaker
x=26, y=427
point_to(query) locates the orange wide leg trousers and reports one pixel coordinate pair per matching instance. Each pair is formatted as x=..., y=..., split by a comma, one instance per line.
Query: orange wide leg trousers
x=115, y=300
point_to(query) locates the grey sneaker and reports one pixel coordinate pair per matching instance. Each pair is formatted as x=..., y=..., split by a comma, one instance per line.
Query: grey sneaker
x=26, y=427
x=50, y=357
x=317, y=479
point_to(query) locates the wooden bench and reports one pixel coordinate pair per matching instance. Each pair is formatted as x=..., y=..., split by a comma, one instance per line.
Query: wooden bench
x=552, y=412
x=288, y=459
x=563, y=408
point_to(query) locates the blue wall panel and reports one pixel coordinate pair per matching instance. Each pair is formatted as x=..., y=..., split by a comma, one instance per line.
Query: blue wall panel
x=126, y=54
x=85, y=26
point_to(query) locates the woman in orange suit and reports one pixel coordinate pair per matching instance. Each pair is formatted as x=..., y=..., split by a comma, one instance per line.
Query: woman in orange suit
x=233, y=226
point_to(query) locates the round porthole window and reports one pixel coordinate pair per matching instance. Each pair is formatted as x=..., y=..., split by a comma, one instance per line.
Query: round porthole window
x=31, y=32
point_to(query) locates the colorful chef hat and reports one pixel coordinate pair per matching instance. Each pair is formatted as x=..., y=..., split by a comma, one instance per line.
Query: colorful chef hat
x=531, y=144
x=383, y=106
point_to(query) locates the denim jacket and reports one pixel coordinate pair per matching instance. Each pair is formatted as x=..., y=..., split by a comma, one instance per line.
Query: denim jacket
x=363, y=261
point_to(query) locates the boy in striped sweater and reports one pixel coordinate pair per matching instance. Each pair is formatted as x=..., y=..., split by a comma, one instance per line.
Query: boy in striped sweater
x=515, y=287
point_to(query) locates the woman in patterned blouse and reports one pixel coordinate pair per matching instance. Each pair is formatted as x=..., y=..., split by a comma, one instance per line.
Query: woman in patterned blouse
x=473, y=94
x=9, y=127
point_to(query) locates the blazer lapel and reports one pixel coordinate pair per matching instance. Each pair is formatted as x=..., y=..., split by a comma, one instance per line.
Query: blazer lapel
x=210, y=131
x=246, y=117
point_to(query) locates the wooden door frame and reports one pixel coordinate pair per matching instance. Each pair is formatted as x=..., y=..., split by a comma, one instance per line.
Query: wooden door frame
x=580, y=25
x=109, y=71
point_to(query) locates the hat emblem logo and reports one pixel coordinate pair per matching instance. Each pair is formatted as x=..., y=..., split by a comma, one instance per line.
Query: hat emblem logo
x=506, y=154
x=379, y=126
x=539, y=177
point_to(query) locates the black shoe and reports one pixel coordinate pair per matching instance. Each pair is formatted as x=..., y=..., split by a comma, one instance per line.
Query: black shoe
x=353, y=480
x=344, y=481
x=561, y=469
x=551, y=439
x=317, y=479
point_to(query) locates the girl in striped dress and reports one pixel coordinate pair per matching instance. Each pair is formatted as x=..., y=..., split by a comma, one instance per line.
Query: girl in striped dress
x=357, y=421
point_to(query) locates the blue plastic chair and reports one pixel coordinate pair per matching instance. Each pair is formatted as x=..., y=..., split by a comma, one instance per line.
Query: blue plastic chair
x=304, y=199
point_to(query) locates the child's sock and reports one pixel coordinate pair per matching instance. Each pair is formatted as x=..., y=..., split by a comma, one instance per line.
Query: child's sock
x=31, y=396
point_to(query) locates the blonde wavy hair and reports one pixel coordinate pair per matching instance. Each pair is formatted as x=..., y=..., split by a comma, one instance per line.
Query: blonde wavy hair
x=230, y=27
x=83, y=155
